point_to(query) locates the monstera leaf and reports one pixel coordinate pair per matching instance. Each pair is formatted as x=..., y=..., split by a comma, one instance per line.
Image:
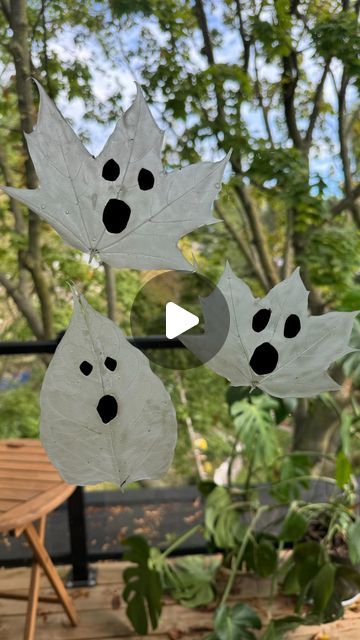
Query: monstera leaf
x=120, y=206
x=272, y=342
x=104, y=414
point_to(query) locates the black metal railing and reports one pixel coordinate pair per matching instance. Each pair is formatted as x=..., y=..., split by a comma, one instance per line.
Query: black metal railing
x=33, y=347
x=81, y=574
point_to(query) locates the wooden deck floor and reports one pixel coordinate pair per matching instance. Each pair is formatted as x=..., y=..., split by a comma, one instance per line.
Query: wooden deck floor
x=102, y=614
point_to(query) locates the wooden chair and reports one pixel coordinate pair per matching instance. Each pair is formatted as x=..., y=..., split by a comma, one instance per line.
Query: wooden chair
x=30, y=488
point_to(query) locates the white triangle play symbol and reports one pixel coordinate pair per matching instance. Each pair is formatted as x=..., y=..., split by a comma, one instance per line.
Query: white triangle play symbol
x=178, y=320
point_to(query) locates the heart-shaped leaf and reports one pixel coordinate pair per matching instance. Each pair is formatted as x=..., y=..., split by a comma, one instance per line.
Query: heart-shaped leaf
x=294, y=527
x=121, y=206
x=273, y=344
x=236, y=623
x=105, y=416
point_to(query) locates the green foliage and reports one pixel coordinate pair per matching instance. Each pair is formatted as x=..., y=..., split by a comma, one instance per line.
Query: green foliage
x=126, y=7
x=142, y=591
x=235, y=623
x=19, y=413
x=293, y=468
x=254, y=422
x=191, y=580
x=222, y=522
x=261, y=555
x=275, y=34
x=279, y=627
x=334, y=249
x=314, y=578
x=342, y=470
x=294, y=527
x=20, y=404
x=353, y=541
x=337, y=34
x=277, y=169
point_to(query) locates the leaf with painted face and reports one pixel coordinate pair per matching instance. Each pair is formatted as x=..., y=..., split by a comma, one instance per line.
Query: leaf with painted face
x=105, y=416
x=272, y=342
x=120, y=206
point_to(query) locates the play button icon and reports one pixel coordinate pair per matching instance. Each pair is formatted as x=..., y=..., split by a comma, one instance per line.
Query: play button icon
x=169, y=305
x=178, y=320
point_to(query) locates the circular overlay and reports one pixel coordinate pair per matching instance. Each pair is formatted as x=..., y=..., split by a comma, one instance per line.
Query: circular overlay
x=149, y=317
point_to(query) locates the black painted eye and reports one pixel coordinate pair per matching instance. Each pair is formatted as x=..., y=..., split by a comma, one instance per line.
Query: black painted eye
x=107, y=408
x=264, y=359
x=145, y=179
x=111, y=170
x=110, y=364
x=261, y=319
x=292, y=326
x=116, y=215
x=86, y=368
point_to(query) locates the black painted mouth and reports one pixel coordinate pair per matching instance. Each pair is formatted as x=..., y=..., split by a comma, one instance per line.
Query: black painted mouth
x=116, y=215
x=107, y=408
x=264, y=359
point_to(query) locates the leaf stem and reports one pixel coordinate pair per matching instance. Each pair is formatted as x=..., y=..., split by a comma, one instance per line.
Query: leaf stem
x=240, y=553
x=180, y=540
x=274, y=581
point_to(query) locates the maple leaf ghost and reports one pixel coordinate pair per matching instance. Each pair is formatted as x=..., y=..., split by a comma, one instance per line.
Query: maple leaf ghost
x=105, y=416
x=120, y=206
x=272, y=342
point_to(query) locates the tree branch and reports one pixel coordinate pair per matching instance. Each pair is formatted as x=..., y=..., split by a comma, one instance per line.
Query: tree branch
x=344, y=149
x=209, y=52
x=250, y=259
x=290, y=78
x=32, y=260
x=189, y=425
x=244, y=36
x=23, y=303
x=259, y=238
x=316, y=105
x=347, y=202
x=316, y=302
x=15, y=206
x=261, y=101
x=286, y=267
x=249, y=208
x=45, y=50
x=201, y=18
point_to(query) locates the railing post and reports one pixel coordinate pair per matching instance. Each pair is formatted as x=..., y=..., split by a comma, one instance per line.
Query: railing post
x=81, y=575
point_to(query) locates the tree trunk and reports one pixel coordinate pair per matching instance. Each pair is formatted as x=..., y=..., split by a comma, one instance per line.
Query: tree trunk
x=30, y=259
x=317, y=422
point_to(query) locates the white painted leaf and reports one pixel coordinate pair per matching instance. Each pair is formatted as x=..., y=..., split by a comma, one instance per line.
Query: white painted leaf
x=286, y=366
x=130, y=436
x=112, y=217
